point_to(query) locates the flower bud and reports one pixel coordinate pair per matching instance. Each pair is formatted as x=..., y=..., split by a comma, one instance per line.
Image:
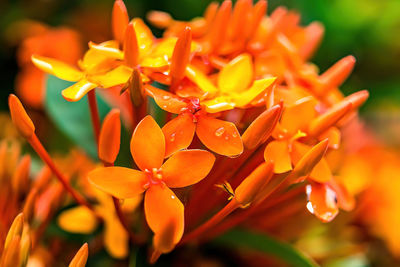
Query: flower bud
x=120, y=20
x=20, y=180
x=15, y=229
x=180, y=56
x=20, y=118
x=131, y=47
x=80, y=257
x=110, y=137
x=338, y=73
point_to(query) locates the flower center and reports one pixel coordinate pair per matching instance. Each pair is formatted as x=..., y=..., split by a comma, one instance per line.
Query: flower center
x=154, y=176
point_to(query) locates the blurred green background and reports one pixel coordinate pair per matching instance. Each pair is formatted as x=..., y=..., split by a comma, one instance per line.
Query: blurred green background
x=367, y=29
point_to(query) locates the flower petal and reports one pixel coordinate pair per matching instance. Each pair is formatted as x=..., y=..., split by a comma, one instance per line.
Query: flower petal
x=237, y=75
x=222, y=137
x=115, y=238
x=278, y=153
x=78, y=90
x=259, y=86
x=77, y=220
x=144, y=36
x=322, y=201
x=200, y=79
x=118, y=181
x=218, y=104
x=163, y=208
x=112, y=52
x=165, y=100
x=148, y=144
x=57, y=68
x=187, y=167
x=117, y=76
x=178, y=133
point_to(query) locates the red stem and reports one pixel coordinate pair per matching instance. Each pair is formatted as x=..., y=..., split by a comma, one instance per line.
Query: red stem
x=94, y=114
x=41, y=151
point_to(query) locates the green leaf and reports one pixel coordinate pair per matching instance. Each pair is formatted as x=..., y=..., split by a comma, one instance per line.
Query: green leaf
x=243, y=239
x=73, y=119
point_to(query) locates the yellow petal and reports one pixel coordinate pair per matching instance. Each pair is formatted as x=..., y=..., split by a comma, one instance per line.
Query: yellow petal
x=259, y=86
x=78, y=90
x=117, y=76
x=115, y=238
x=200, y=79
x=144, y=36
x=218, y=104
x=237, y=75
x=111, y=52
x=77, y=220
x=57, y=68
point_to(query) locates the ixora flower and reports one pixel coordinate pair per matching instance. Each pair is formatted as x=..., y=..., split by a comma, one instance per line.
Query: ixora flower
x=163, y=209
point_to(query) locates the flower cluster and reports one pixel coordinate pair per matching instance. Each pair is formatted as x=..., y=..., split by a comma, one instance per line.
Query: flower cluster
x=244, y=110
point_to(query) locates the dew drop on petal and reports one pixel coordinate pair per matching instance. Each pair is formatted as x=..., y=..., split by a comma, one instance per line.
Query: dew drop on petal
x=234, y=134
x=172, y=137
x=166, y=97
x=220, y=131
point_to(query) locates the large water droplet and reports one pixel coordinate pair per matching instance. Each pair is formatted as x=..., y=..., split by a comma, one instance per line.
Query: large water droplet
x=220, y=131
x=321, y=201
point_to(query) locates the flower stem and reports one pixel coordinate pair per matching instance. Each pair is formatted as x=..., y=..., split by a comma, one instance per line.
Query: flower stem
x=41, y=151
x=94, y=114
x=217, y=218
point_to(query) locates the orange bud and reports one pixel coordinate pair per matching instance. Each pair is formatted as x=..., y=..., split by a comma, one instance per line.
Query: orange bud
x=357, y=98
x=110, y=137
x=131, y=47
x=159, y=19
x=218, y=28
x=210, y=12
x=307, y=163
x=259, y=10
x=11, y=254
x=29, y=204
x=25, y=245
x=261, y=128
x=239, y=18
x=20, y=178
x=20, y=118
x=249, y=189
x=15, y=229
x=136, y=88
x=314, y=33
x=80, y=257
x=180, y=56
x=329, y=118
x=338, y=73
x=120, y=20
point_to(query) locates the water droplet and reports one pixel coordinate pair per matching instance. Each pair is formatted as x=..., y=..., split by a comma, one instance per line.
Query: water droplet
x=220, y=131
x=164, y=106
x=172, y=137
x=226, y=137
x=234, y=134
x=173, y=197
x=166, y=97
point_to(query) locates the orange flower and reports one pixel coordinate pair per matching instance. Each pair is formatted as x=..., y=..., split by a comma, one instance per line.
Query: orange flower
x=162, y=206
x=219, y=136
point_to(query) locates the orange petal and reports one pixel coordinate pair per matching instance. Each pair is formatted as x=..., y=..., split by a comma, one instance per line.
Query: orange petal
x=164, y=240
x=180, y=56
x=159, y=19
x=166, y=100
x=178, y=133
x=78, y=90
x=131, y=46
x=148, y=144
x=187, y=167
x=345, y=200
x=278, y=152
x=237, y=75
x=304, y=108
x=118, y=181
x=222, y=137
x=57, y=68
x=253, y=184
x=80, y=257
x=163, y=208
x=119, y=20
x=20, y=118
x=333, y=135
x=322, y=201
x=115, y=238
x=321, y=172
x=338, y=73
x=110, y=137
x=261, y=128
x=77, y=220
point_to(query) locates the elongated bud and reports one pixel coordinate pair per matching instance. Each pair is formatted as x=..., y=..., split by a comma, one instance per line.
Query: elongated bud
x=314, y=33
x=20, y=178
x=110, y=137
x=239, y=18
x=29, y=204
x=259, y=10
x=210, y=12
x=338, y=73
x=307, y=163
x=180, y=56
x=26, y=244
x=262, y=127
x=11, y=254
x=329, y=118
x=120, y=20
x=131, y=47
x=20, y=118
x=249, y=189
x=357, y=98
x=159, y=19
x=80, y=257
x=15, y=229
x=218, y=27
x=136, y=88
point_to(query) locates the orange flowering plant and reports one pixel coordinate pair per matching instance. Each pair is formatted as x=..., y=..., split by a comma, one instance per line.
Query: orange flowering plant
x=228, y=99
